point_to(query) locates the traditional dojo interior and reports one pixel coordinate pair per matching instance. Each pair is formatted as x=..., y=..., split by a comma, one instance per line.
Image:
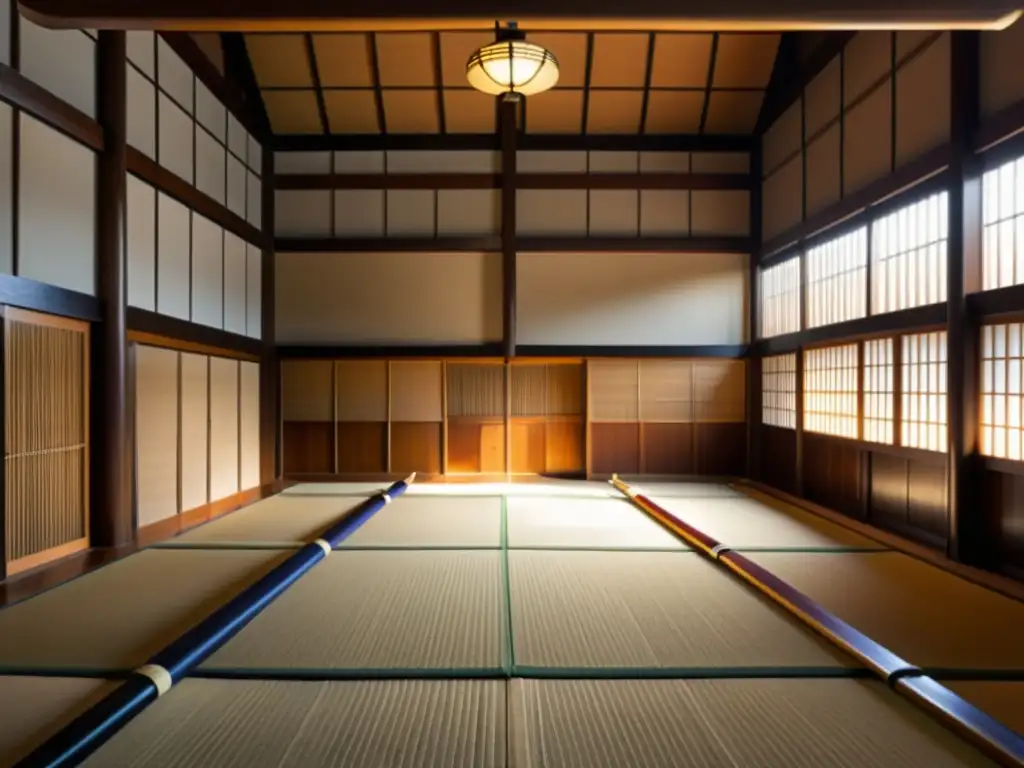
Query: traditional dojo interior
x=535, y=388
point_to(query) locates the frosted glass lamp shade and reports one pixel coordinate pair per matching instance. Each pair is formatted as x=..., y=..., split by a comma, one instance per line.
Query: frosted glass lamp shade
x=512, y=66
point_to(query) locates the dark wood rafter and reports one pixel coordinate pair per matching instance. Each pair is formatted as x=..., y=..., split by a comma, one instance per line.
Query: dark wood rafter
x=19, y=91
x=435, y=47
x=238, y=69
x=648, y=70
x=528, y=141
x=147, y=322
x=700, y=181
x=585, y=111
x=111, y=512
x=314, y=71
x=378, y=93
x=496, y=350
x=712, y=60
x=493, y=243
x=272, y=14
x=29, y=294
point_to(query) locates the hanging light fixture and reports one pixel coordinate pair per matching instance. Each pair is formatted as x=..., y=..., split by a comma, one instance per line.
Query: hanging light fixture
x=512, y=66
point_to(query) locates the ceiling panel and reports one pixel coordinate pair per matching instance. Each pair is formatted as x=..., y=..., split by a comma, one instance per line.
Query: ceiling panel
x=352, y=111
x=279, y=61
x=614, y=111
x=405, y=58
x=681, y=61
x=469, y=112
x=733, y=111
x=343, y=60
x=408, y=111
x=293, y=111
x=570, y=49
x=456, y=48
x=558, y=111
x=745, y=61
x=674, y=111
x=620, y=60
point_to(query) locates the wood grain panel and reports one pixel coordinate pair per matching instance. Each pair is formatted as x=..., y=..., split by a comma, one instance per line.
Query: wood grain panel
x=476, y=390
x=362, y=446
x=669, y=449
x=614, y=390
x=614, y=447
x=308, y=448
x=928, y=507
x=666, y=390
x=719, y=390
x=832, y=473
x=492, y=448
x=1003, y=506
x=565, y=446
x=565, y=389
x=777, y=458
x=463, y=447
x=361, y=390
x=721, y=449
x=529, y=390
x=415, y=447
x=306, y=390
x=529, y=449
x=416, y=391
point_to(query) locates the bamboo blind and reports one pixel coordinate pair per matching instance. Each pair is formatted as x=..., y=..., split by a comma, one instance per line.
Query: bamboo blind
x=476, y=390
x=46, y=429
x=547, y=390
x=719, y=388
x=614, y=390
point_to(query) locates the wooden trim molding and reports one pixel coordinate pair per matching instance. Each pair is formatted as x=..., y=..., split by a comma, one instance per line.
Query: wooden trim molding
x=493, y=243
x=628, y=181
x=309, y=352
x=28, y=294
x=19, y=91
x=149, y=327
x=527, y=141
x=171, y=184
x=14, y=567
x=687, y=350
x=176, y=525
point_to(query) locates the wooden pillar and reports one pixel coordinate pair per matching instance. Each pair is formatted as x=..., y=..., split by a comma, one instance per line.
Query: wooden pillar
x=969, y=540
x=507, y=127
x=753, y=359
x=270, y=370
x=111, y=515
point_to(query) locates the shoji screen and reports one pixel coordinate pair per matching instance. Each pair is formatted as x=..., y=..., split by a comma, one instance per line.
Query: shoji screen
x=157, y=422
x=476, y=417
x=306, y=409
x=416, y=416
x=46, y=391
x=224, y=432
x=195, y=490
x=249, y=424
x=547, y=418
x=361, y=408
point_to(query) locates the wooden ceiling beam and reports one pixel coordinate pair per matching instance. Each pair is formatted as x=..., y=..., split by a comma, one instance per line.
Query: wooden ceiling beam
x=238, y=69
x=710, y=15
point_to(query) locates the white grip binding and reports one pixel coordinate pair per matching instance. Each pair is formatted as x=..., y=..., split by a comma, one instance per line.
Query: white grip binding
x=157, y=675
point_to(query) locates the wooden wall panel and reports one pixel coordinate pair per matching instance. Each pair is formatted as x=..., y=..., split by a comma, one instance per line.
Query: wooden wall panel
x=476, y=390
x=614, y=392
x=631, y=298
x=140, y=243
x=719, y=390
x=249, y=425
x=666, y=390
x=529, y=390
x=475, y=446
x=195, y=416
x=1003, y=507
x=721, y=449
x=362, y=447
x=669, y=449
x=782, y=139
x=361, y=390
x=923, y=101
x=866, y=60
x=63, y=255
x=782, y=198
x=720, y=212
x=529, y=446
x=224, y=434
x=416, y=391
x=322, y=298
x=46, y=454
x=156, y=433
x=777, y=458
x=822, y=98
x=307, y=447
x=565, y=446
x=928, y=497
x=416, y=447
x=824, y=160
x=306, y=390
x=614, y=448
x=832, y=473
x=565, y=389
x=1002, y=77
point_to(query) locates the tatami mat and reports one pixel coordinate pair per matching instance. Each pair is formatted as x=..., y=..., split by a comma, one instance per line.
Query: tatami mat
x=117, y=617
x=542, y=487
x=336, y=489
x=685, y=490
x=650, y=610
x=600, y=523
x=743, y=523
x=1002, y=700
x=711, y=723
x=34, y=708
x=380, y=610
x=373, y=724
x=433, y=521
x=907, y=606
x=280, y=520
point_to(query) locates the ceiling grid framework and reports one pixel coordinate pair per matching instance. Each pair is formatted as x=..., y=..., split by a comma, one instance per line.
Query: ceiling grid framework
x=414, y=83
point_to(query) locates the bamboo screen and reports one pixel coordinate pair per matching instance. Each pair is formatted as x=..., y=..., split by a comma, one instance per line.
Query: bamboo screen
x=46, y=401
x=547, y=389
x=476, y=390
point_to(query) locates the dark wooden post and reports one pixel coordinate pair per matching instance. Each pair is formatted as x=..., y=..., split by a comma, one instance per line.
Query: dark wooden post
x=111, y=514
x=753, y=358
x=507, y=126
x=270, y=371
